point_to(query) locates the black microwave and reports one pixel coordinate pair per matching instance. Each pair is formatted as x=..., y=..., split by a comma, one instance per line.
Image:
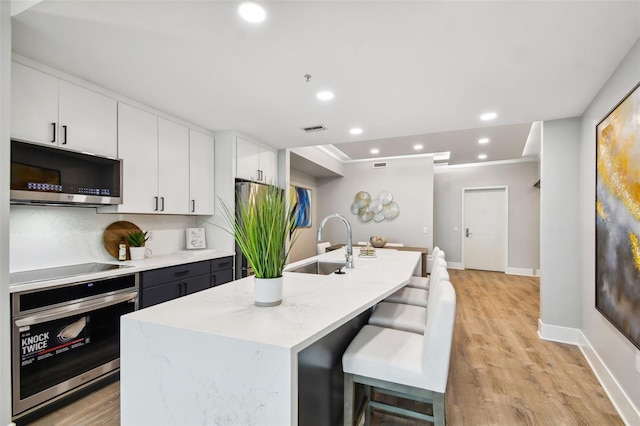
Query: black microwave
x=56, y=176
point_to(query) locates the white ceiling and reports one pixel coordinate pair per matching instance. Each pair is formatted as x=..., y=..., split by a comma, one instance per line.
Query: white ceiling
x=398, y=69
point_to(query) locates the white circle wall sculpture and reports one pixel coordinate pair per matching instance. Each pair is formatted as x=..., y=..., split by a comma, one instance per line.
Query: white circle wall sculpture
x=377, y=209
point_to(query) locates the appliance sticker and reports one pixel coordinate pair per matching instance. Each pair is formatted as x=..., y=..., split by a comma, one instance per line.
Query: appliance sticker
x=52, y=338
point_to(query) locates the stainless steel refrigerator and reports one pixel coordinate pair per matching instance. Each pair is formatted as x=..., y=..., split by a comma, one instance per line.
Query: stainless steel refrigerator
x=245, y=191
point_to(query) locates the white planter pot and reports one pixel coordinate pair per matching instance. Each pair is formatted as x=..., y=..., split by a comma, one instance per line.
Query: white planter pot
x=268, y=291
x=137, y=253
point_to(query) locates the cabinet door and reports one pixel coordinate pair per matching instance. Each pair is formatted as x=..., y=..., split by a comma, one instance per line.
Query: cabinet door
x=195, y=284
x=138, y=148
x=268, y=166
x=88, y=120
x=221, y=277
x=161, y=293
x=247, y=160
x=201, y=185
x=173, y=164
x=34, y=105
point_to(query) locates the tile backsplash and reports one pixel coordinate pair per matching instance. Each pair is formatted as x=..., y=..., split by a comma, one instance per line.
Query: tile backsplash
x=43, y=237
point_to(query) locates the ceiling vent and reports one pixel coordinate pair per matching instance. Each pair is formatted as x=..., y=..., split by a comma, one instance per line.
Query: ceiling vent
x=381, y=165
x=316, y=128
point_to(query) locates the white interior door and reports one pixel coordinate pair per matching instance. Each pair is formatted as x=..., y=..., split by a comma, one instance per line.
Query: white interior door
x=485, y=229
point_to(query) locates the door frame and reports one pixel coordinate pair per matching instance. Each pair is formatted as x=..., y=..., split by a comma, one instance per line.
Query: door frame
x=506, y=222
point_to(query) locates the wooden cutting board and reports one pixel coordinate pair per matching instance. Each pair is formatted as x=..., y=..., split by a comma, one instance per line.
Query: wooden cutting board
x=114, y=232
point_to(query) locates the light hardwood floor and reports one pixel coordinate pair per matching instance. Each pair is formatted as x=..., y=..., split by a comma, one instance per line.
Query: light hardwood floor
x=501, y=373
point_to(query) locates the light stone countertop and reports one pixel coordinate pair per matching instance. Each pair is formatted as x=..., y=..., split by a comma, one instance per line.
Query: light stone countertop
x=127, y=267
x=313, y=305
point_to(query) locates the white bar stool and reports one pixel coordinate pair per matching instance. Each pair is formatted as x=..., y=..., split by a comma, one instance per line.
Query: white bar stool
x=416, y=296
x=403, y=364
x=423, y=282
x=405, y=317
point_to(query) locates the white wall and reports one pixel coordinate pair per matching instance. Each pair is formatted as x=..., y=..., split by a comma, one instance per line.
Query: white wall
x=410, y=181
x=44, y=237
x=524, y=213
x=5, y=103
x=614, y=351
x=559, y=237
x=305, y=245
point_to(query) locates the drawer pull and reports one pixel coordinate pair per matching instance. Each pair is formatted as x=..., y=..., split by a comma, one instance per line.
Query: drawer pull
x=181, y=273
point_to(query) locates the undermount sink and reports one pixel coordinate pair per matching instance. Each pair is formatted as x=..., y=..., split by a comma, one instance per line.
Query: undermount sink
x=319, y=268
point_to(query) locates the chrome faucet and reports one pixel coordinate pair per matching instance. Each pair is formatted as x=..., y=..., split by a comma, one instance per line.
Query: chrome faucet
x=349, y=253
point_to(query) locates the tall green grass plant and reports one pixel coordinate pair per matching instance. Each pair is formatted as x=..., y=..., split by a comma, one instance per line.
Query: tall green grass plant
x=261, y=226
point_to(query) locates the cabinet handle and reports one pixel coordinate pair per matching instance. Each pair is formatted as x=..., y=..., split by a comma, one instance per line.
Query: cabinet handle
x=193, y=206
x=54, y=133
x=213, y=280
x=180, y=293
x=64, y=130
x=162, y=202
x=156, y=202
x=181, y=273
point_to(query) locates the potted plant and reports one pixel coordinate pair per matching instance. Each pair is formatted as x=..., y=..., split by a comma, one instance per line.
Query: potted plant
x=137, y=239
x=262, y=226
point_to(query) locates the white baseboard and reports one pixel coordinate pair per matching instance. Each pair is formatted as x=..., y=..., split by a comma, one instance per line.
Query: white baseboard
x=620, y=400
x=527, y=272
x=556, y=333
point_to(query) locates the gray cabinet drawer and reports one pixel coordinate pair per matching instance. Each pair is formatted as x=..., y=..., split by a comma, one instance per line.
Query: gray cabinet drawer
x=222, y=263
x=174, y=273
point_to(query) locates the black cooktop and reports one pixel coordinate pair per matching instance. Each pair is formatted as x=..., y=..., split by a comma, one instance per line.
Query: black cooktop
x=25, y=277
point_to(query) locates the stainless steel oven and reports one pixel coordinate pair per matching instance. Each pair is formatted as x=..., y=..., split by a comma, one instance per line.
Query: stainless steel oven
x=67, y=337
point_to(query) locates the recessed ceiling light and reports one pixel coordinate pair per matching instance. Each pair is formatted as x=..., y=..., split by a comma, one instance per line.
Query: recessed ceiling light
x=355, y=131
x=482, y=157
x=325, y=95
x=488, y=116
x=252, y=12
x=483, y=140
x=417, y=147
x=375, y=151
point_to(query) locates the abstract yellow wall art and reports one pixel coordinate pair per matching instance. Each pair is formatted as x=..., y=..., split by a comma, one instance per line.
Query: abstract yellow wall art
x=618, y=216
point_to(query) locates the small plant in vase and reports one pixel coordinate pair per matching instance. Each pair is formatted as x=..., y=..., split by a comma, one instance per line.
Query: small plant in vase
x=137, y=239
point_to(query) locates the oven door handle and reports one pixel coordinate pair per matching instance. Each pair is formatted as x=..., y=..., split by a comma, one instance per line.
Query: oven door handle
x=75, y=309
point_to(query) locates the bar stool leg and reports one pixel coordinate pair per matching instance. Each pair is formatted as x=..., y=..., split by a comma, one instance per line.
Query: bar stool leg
x=367, y=407
x=348, y=400
x=439, y=418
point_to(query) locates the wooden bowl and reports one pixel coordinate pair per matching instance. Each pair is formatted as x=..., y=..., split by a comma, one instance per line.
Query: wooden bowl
x=378, y=242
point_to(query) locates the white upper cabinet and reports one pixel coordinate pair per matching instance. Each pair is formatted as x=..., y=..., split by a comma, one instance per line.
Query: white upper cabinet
x=254, y=162
x=268, y=166
x=138, y=148
x=173, y=167
x=47, y=110
x=87, y=120
x=34, y=105
x=201, y=173
x=155, y=156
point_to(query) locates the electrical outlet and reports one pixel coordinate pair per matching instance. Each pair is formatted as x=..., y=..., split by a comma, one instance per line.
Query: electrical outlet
x=150, y=235
x=425, y=230
x=455, y=229
x=638, y=361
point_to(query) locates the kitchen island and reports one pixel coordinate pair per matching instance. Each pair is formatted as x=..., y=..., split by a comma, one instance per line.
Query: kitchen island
x=215, y=358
